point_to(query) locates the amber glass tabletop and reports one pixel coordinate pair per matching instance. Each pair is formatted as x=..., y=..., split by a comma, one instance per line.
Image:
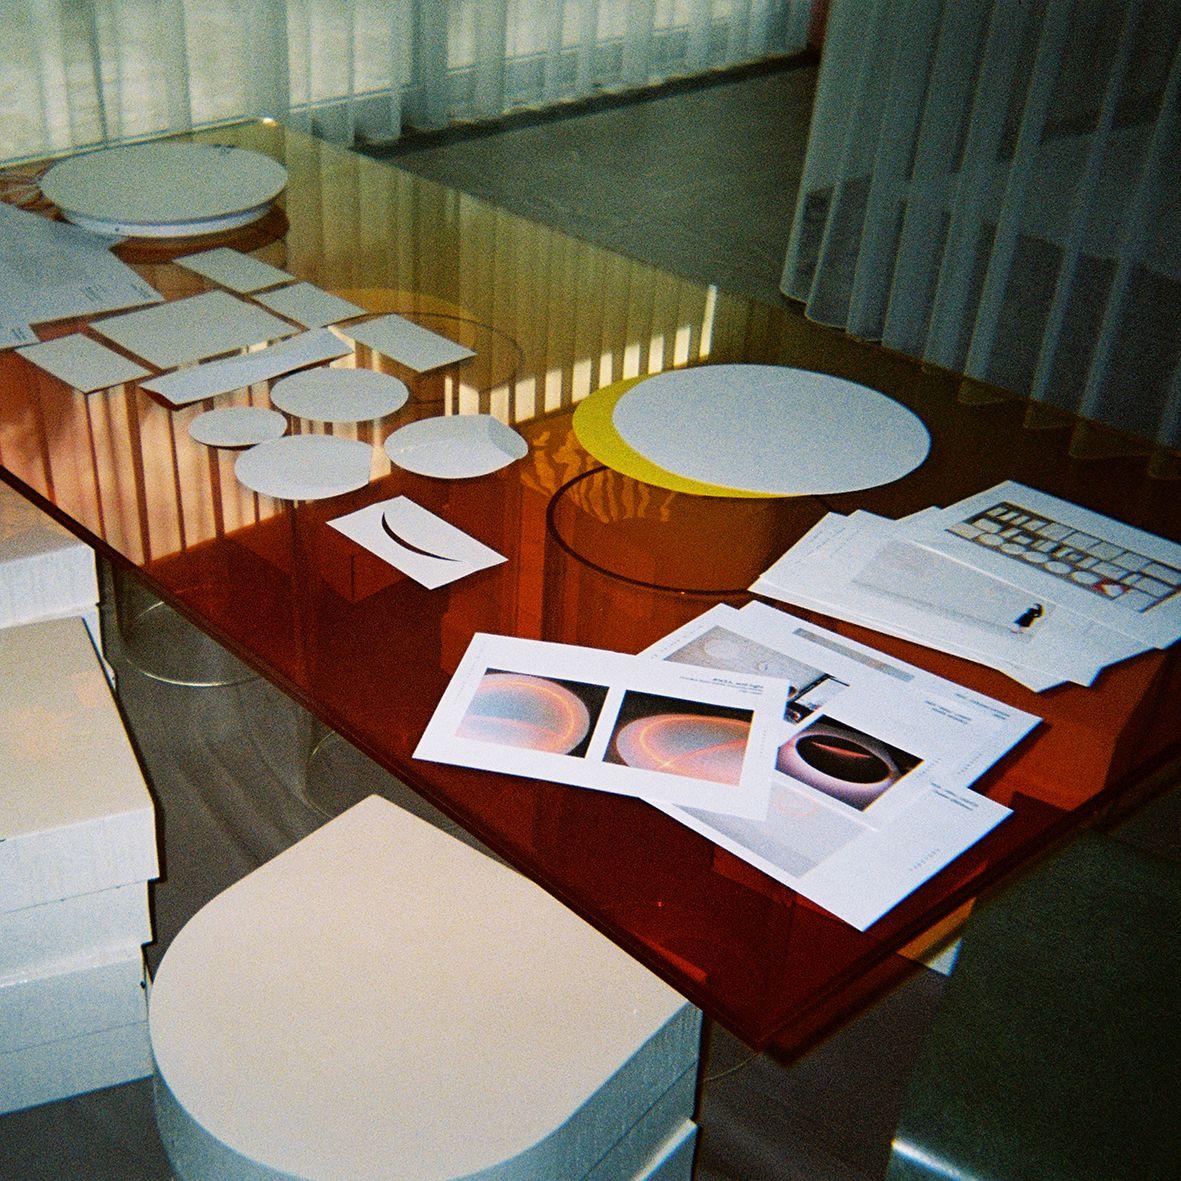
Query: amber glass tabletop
x=593, y=557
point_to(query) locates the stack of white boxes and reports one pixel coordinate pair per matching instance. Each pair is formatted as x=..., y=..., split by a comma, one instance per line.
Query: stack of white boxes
x=77, y=831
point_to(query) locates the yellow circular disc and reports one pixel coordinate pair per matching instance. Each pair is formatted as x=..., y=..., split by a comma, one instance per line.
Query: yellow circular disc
x=594, y=428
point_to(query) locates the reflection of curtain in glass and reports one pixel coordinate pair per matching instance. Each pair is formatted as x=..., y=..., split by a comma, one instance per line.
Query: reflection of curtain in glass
x=996, y=187
x=82, y=72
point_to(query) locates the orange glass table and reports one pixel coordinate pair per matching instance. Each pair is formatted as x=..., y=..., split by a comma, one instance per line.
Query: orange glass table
x=594, y=557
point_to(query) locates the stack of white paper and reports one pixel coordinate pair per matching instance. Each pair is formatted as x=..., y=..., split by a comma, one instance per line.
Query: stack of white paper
x=53, y=271
x=1037, y=587
x=77, y=852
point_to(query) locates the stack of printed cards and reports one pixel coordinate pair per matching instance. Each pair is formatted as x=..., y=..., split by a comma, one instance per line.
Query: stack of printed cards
x=1037, y=587
x=840, y=772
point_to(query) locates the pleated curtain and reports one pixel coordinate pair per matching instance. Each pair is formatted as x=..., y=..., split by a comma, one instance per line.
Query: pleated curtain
x=80, y=72
x=995, y=186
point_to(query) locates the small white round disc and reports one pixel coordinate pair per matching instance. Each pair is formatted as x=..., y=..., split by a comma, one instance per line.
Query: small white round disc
x=305, y=467
x=237, y=426
x=339, y=395
x=161, y=188
x=771, y=429
x=455, y=446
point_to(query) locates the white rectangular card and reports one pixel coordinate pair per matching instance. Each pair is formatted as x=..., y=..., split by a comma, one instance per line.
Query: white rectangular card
x=234, y=373
x=192, y=329
x=235, y=270
x=82, y=363
x=694, y=736
x=409, y=344
x=415, y=541
x=309, y=305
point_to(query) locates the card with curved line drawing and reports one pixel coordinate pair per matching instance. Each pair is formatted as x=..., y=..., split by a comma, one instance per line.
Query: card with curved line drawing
x=415, y=541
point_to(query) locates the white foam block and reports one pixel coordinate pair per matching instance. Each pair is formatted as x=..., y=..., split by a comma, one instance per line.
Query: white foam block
x=35, y=938
x=75, y=813
x=45, y=572
x=465, y=1019
x=73, y=1066
x=64, y=1004
x=673, y=1161
x=648, y=1142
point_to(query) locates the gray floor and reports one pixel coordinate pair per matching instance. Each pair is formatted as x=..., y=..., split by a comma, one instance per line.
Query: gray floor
x=700, y=182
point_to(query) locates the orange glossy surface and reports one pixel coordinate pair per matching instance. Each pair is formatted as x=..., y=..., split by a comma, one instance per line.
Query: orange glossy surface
x=594, y=558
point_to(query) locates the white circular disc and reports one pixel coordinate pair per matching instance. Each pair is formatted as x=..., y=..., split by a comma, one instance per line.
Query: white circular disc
x=157, y=189
x=237, y=426
x=455, y=446
x=766, y=428
x=305, y=467
x=340, y=395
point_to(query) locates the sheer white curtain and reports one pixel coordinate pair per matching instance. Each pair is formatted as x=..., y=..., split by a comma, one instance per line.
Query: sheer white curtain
x=78, y=72
x=995, y=186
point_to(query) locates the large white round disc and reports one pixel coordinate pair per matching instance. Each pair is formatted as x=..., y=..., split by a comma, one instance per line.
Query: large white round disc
x=158, y=188
x=305, y=467
x=766, y=428
x=340, y=395
x=455, y=446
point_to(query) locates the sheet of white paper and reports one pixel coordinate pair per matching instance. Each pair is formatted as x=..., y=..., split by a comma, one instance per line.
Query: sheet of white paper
x=766, y=428
x=305, y=467
x=417, y=542
x=192, y=329
x=830, y=531
x=307, y=304
x=1109, y=572
x=82, y=363
x=237, y=426
x=833, y=574
x=340, y=395
x=157, y=183
x=199, y=382
x=455, y=446
x=50, y=270
x=605, y=720
x=233, y=269
x=407, y=343
x=851, y=839
x=902, y=570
